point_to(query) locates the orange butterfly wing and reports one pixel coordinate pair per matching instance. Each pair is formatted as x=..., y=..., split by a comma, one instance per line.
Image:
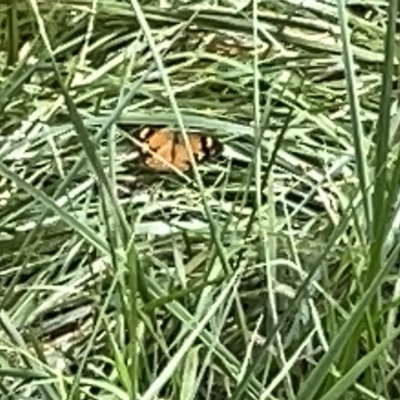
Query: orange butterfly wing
x=170, y=149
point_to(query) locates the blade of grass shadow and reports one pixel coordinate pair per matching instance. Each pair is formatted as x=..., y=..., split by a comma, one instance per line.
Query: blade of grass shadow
x=4, y=389
x=13, y=34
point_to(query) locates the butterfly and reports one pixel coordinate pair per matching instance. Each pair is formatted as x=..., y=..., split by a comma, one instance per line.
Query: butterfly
x=163, y=148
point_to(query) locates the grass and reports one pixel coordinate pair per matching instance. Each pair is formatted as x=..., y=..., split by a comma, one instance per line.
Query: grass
x=270, y=272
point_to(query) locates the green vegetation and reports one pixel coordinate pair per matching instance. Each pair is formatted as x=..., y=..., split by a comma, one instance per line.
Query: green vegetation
x=270, y=272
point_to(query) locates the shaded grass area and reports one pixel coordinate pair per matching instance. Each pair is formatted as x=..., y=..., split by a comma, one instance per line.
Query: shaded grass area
x=270, y=272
